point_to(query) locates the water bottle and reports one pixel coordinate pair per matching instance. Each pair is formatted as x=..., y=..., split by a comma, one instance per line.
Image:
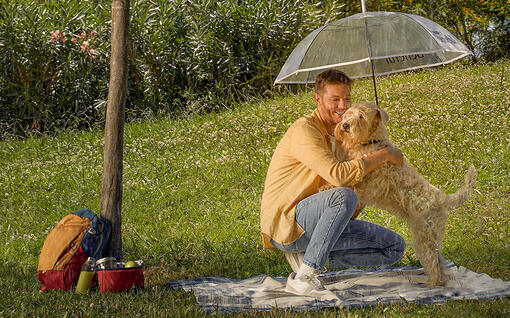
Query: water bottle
x=86, y=275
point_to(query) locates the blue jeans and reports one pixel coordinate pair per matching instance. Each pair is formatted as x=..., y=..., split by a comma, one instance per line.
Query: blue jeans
x=330, y=233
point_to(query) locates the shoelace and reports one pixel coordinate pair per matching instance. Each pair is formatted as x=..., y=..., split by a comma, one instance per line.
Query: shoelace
x=314, y=281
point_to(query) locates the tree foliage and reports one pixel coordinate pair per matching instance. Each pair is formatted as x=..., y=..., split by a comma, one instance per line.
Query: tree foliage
x=185, y=55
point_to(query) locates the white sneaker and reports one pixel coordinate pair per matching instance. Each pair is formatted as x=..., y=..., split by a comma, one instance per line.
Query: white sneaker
x=309, y=285
x=295, y=260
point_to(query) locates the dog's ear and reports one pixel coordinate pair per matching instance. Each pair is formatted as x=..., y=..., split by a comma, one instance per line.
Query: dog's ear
x=376, y=121
x=338, y=131
x=384, y=115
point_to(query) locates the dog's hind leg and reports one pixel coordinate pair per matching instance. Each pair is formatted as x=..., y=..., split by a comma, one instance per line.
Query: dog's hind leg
x=428, y=250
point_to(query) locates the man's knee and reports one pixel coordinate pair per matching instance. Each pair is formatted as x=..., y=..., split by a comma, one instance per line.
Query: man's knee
x=399, y=248
x=343, y=196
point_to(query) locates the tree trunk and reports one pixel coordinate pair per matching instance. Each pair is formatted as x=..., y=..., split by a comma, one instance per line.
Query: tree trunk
x=111, y=191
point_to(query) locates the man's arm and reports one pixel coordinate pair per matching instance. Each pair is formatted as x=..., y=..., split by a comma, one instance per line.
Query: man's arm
x=389, y=154
x=308, y=146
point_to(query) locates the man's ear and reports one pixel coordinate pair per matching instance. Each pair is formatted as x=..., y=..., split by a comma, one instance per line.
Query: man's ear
x=317, y=97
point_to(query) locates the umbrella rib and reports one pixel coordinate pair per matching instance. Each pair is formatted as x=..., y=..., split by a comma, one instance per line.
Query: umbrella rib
x=409, y=16
x=421, y=25
x=279, y=81
x=309, y=46
x=369, y=49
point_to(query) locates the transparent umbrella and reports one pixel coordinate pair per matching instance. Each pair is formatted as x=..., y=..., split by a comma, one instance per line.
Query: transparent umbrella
x=371, y=44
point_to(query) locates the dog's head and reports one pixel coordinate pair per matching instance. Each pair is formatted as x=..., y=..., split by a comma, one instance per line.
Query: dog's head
x=363, y=123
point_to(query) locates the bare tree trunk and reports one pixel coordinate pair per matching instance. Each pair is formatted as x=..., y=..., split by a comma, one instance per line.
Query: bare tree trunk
x=111, y=192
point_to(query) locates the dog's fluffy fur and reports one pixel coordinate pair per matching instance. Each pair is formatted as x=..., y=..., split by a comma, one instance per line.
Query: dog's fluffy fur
x=401, y=190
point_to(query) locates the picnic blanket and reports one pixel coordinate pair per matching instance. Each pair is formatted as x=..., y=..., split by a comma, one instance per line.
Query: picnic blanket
x=354, y=287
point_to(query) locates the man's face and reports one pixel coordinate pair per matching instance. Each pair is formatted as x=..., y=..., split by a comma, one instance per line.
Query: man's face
x=332, y=102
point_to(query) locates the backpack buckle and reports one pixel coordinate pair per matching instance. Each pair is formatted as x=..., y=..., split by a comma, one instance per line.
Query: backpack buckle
x=93, y=232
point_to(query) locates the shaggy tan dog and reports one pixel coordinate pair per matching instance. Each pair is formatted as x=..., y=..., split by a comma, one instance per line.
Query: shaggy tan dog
x=401, y=190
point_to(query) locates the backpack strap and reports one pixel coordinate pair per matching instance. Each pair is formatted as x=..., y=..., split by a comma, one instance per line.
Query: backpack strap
x=101, y=227
x=97, y=235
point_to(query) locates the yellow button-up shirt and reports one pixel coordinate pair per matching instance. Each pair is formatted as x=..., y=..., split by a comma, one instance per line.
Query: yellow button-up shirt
x=302, y=162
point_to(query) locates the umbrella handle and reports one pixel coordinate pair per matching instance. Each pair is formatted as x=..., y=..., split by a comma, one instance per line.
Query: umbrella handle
x=375, y=87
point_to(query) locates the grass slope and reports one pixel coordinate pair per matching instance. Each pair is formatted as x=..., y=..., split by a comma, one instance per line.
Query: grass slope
x=192, y=189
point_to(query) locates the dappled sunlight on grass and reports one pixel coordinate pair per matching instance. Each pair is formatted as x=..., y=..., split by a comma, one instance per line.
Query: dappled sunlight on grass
x=192, y=186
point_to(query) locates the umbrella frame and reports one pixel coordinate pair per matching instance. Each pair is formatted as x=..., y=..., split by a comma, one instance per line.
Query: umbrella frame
x=371, y=59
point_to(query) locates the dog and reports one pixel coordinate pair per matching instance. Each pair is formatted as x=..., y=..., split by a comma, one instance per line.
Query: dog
x=401, y=190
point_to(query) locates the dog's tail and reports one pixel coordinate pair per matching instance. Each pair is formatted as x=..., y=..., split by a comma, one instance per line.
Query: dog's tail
x=464, y=192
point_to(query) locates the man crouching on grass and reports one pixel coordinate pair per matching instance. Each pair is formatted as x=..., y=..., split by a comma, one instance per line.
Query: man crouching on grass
x=309, y=226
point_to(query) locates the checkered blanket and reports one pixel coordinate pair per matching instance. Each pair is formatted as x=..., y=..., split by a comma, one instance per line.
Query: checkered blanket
x=355, y=288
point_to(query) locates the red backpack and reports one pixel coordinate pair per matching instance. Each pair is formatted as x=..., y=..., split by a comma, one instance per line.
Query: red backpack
x=76, y=237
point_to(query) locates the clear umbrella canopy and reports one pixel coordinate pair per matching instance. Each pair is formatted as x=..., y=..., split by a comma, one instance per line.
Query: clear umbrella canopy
x=389, y=42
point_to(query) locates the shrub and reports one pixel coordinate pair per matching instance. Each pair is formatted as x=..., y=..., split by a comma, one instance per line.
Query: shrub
x=53, y=66
x=184, y=55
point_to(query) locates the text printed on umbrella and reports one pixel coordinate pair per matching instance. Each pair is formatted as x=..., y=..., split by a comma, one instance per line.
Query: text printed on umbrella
x=403, y=58
x=445, y=38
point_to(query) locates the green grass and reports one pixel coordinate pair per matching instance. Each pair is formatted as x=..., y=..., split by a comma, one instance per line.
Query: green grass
x=192, y=189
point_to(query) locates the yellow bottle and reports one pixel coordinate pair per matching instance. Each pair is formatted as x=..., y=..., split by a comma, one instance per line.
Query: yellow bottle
x=86, y=275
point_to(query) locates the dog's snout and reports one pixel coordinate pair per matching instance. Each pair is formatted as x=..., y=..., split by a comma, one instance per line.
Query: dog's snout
x=346, y=126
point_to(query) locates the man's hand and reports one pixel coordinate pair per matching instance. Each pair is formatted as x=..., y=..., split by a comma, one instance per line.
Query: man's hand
x=388, y=154
x=395, y=156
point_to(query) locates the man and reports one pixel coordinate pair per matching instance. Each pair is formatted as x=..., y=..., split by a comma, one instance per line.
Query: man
x=311, y=226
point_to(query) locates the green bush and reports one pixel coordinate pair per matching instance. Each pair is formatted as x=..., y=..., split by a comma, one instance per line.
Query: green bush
x=54, y=65
x=184, y=55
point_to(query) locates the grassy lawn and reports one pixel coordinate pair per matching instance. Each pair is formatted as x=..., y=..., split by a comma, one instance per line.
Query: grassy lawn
x=192, y=189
